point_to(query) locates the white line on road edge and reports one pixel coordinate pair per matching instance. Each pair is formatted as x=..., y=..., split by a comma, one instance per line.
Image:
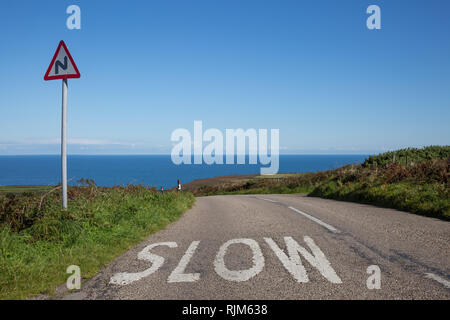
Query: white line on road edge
x=438, y=279
x=267, y=199
x=326, y=225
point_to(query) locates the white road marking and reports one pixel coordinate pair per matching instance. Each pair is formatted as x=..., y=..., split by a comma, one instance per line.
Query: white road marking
x=326, y=225
x=125, y=278
x=178, y=274
x=267, y=199
x=442, y=281
x=293, y=263
x=239, y=275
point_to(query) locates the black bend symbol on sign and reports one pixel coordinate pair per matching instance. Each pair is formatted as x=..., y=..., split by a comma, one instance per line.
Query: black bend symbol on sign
x=59, y=64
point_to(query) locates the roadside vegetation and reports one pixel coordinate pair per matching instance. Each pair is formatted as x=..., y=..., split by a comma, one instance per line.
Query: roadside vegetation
x=39, y=240
x=413, y=180
x=409, y=156
x=279, y=183
x=23, y=189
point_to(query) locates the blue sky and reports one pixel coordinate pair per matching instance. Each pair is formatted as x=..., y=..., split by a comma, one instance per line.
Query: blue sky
x=311, y=69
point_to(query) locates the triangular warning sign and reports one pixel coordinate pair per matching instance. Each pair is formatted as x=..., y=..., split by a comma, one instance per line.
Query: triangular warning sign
x=62, y=65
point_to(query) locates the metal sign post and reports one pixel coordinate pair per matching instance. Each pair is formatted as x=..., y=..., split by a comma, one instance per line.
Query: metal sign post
x=64, y=144
x=63, y=67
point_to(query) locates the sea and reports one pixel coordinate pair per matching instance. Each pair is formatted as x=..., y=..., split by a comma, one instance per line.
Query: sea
x=150, y=170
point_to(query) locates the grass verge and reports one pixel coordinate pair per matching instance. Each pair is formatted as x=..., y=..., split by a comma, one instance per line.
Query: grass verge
x=430, y=200
x=24, y=189
x=38, y=240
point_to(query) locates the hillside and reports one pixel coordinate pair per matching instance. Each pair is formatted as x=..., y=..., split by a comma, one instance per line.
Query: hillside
x=419, y=185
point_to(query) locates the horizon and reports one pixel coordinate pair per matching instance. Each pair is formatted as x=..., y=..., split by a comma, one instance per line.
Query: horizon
x=316, y=153
x=168, y=154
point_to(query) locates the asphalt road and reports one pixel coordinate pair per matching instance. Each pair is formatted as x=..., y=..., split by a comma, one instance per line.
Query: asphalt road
x=283, y=247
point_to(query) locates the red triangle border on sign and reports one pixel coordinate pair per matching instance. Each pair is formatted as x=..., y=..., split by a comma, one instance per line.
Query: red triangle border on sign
x=67, y=76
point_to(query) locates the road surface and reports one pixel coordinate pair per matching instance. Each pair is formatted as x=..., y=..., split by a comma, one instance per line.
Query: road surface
x=283, y=247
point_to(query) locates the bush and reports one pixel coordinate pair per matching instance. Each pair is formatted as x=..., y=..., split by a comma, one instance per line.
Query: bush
x=414, y=156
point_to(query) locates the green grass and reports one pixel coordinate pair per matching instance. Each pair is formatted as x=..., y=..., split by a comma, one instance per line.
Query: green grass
x=38, y=241
x=431, y=200
x=22, y=189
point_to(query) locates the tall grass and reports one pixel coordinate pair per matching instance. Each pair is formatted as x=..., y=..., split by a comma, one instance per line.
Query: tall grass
x=421, y=188
x=414, y=155
x=38, y=240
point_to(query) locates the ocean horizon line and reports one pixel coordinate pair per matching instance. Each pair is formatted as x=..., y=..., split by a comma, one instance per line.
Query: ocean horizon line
x=168, y=154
